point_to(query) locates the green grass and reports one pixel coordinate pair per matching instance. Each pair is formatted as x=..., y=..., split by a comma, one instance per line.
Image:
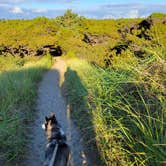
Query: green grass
x=18, y=89
x=123, y=108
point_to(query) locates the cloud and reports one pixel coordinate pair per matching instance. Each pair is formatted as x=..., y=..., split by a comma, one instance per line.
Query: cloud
x=25, y=9
x=134, y=13
x=4, y=5
x=108, y=16
x=40, y=10
x=129, y=10
x=37, y=1
x=16, y=10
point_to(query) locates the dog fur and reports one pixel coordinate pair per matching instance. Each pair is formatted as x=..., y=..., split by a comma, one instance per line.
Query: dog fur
x=55, y=137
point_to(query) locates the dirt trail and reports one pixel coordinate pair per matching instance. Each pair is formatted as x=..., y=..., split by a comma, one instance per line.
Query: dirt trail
x=51, y=100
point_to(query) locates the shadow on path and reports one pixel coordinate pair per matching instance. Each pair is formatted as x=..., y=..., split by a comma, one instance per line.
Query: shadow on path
x=76, y=95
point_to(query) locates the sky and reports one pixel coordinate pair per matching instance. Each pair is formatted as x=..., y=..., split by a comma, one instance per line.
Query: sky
x=99, y=9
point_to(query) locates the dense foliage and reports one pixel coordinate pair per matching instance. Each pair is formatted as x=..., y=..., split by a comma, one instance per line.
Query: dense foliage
x=95, y=40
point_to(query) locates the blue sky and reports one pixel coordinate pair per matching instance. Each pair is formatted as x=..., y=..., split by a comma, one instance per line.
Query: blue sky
x=11, y=9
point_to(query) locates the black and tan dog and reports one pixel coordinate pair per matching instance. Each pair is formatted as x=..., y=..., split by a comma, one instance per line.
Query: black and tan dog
x=57, y=150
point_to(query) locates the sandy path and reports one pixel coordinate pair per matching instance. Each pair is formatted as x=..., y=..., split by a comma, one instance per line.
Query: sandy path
x=50, y=100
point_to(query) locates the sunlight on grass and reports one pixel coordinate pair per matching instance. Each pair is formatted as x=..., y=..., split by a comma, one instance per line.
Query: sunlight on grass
x=18, y=89
x=127, y=111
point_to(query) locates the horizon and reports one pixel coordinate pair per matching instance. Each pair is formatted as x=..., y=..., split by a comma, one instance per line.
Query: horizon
x=106, y=9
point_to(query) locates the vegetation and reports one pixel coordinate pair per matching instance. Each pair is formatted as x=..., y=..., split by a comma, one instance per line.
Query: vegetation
x=18, y=81
x=116, y=92
x=95, y=40
x=123, y=108
x=34, y=33
x=118, y=98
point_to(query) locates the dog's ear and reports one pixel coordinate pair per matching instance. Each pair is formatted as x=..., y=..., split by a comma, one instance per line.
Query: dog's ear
x=53, y=118
x=52, y=115
x=54, y=121
x=46, y=118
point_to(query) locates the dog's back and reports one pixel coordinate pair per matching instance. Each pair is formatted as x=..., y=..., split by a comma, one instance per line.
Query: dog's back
x=63, y=155
x=56, y=140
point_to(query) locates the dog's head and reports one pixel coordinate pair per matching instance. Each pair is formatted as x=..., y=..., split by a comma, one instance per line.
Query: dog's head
x=53, y=129
x=50, y=122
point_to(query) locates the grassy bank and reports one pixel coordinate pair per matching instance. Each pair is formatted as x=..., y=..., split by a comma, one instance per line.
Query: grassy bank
x=121, y=109
x=18, y=87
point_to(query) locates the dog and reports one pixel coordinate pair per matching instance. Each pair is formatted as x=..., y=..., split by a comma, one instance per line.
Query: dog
x=57, y=150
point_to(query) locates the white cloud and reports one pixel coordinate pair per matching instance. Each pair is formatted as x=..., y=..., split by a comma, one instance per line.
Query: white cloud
x=108, y=16
x=40, y=10
x=133, y=13
x=4, y=5
x=24, y=9
x=16, y=10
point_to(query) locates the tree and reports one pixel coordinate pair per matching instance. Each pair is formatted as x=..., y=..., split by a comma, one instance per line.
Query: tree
x=69, y=19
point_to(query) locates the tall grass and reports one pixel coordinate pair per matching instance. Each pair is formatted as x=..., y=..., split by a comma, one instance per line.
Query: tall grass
x=18, y=87
x=127, y=110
